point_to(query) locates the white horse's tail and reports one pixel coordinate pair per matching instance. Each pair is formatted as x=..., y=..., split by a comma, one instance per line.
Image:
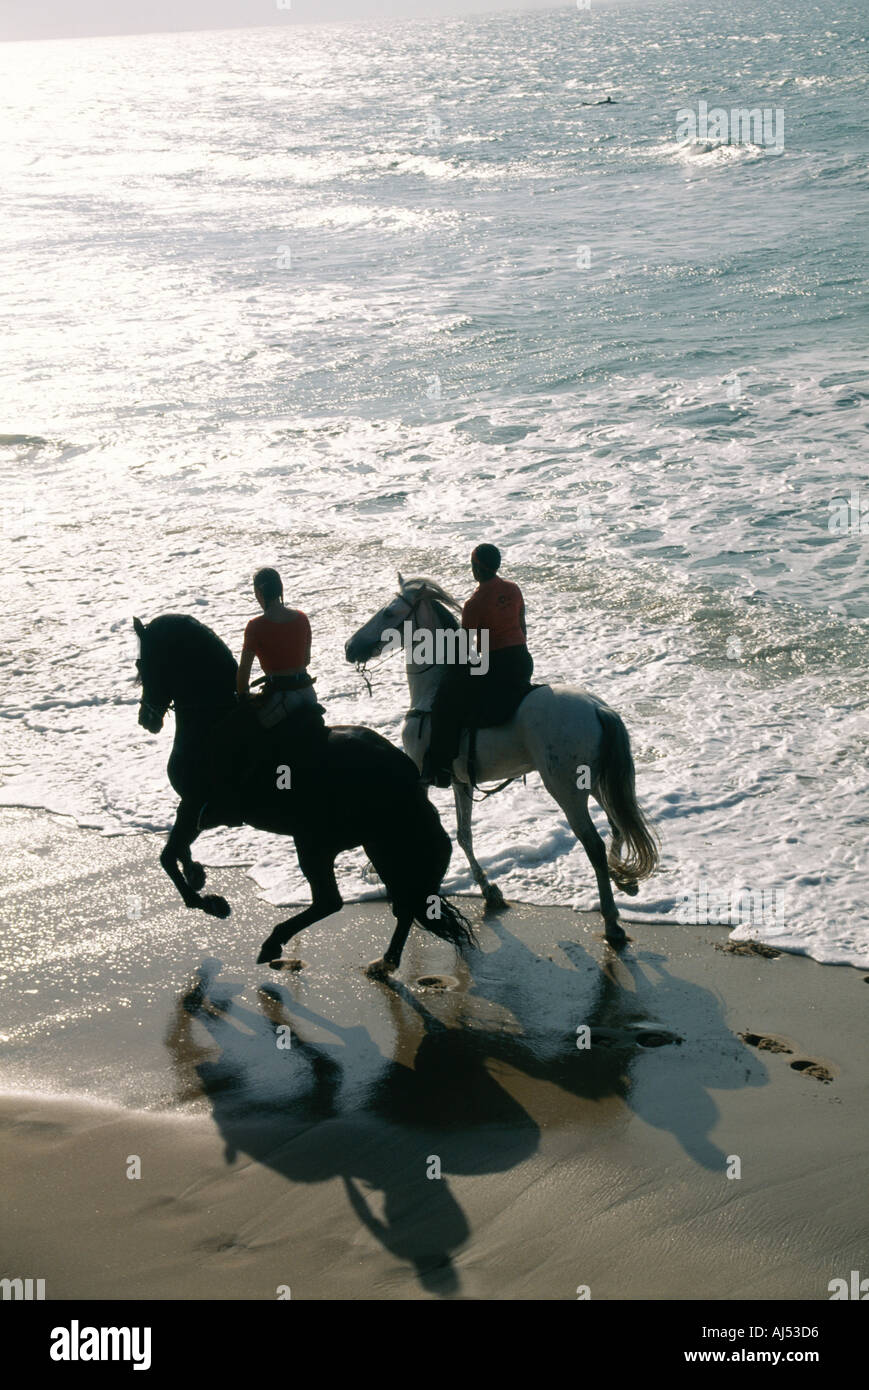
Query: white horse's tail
x=616, y=791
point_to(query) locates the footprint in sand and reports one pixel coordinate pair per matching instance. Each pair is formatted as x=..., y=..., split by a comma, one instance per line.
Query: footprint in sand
x=224, y=1245
x=809, y=1068
x=768, y=1042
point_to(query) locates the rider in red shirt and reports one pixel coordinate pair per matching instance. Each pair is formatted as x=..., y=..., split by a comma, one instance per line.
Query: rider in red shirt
x=496, y=605
x=464, y=700
x=281, y=641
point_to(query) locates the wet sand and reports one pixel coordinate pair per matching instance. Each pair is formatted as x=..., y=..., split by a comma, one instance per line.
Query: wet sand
x=345, y=1139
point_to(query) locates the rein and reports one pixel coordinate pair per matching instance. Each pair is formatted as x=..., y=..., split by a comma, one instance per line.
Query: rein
x=362, y=672
x=493, y=790
x=155, y=712
x=421, y=714
x=362, y=666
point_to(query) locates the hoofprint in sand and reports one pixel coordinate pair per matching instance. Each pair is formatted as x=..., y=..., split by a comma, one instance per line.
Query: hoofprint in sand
x=180, y=1123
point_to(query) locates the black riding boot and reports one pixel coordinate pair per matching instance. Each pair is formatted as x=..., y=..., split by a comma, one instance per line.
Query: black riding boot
x=447, y=717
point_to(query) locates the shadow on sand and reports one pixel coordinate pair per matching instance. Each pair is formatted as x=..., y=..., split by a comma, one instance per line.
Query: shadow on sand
x=453, y=1087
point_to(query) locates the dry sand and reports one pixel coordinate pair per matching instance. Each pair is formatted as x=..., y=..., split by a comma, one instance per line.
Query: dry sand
x=312, y=1165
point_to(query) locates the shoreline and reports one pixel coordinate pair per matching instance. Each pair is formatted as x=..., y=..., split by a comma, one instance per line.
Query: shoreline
x=449, y=1140
x=633, y=911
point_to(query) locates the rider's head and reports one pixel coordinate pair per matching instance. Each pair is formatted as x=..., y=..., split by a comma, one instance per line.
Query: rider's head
x=485, y=562
x=267, y=586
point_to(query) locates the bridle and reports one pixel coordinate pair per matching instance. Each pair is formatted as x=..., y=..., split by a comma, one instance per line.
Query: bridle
x=362, y=666
x=423, y=714
x=157, y=712
x=153, y=712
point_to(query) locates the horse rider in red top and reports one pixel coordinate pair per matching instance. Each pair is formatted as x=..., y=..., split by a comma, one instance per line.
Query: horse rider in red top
x=465, y=700
x=281, y=641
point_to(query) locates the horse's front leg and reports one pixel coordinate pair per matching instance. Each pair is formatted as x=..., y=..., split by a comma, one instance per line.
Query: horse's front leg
x=176, y=852
x=464, y=796
x=193, y=871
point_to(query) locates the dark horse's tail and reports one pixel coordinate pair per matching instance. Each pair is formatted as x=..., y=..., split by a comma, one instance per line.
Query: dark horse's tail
x=412, y=861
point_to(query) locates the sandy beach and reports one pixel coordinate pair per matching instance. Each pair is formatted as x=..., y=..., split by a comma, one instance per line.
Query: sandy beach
x=343, y=1139
x=335, y=334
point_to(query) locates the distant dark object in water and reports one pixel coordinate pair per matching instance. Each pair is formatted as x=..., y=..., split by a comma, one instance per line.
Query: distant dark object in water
x=606, y=101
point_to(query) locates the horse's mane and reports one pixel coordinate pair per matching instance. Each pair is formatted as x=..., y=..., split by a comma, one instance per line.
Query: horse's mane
x=447, y=618
x=174, y=631
x=442, y=601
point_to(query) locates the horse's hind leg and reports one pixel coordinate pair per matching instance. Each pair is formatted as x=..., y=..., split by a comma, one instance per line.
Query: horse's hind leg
x=628, y=886
x=379, y=969
x=574, y=803
x=318, y=866
x=386, y=858
x=464, y=796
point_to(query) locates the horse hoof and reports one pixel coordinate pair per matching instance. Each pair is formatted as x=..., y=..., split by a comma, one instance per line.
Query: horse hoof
x=269, y=951
x=615, y=935
x=196, y=877
x=214, y=905
x=627, y=886
x=379, y=970
x=494, y=898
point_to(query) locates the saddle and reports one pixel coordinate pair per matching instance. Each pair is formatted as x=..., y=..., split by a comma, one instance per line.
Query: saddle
x=247, y=759
x=299, y=740
x=512, y=699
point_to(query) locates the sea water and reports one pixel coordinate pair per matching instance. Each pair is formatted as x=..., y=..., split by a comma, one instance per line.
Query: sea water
x=352, y=299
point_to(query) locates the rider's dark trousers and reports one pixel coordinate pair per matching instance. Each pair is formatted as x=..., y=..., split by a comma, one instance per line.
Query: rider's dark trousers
x=245, y=756
x=465, y=701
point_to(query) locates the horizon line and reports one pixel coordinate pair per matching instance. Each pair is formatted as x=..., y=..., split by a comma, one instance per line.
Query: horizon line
x=292, y=20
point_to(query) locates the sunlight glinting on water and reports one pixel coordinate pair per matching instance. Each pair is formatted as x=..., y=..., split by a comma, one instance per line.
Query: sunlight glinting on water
x=348, y=301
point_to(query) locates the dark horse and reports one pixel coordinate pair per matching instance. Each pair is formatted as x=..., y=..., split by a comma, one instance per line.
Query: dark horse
x=358, y=790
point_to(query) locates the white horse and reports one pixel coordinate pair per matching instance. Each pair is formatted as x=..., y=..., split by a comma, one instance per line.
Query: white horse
x=577, y=743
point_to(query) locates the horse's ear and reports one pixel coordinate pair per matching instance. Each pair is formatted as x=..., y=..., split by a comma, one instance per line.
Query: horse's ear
x=139, y=626
x=400, y=580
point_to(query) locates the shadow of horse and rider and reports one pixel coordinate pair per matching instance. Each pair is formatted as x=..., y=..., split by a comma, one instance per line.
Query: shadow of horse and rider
x=456, y=1092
